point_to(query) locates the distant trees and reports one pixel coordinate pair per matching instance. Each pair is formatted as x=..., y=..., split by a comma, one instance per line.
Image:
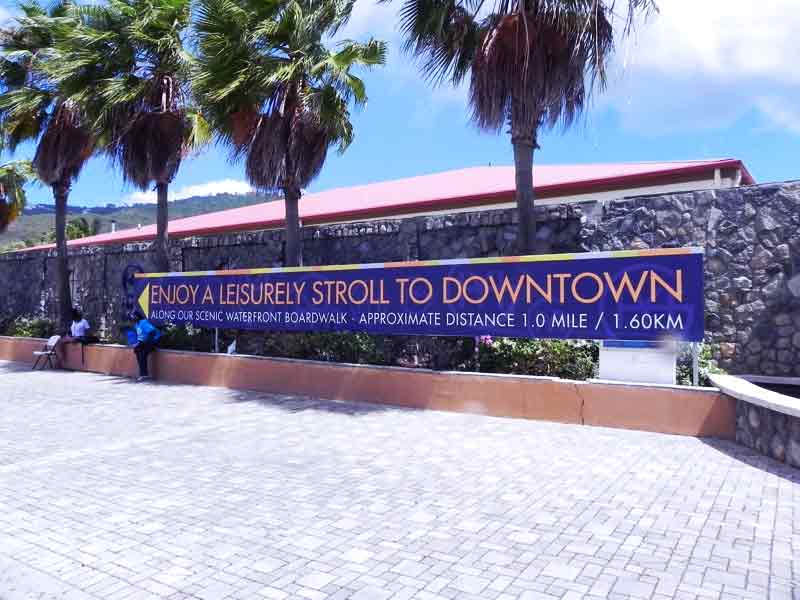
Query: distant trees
x=83, y=227
x=531, y=65
x=79, y=227
x=275, y=94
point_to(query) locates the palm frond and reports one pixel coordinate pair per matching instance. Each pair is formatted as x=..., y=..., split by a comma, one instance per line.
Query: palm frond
x=127, y=66
x=64, y=147
x=273, y=92
x=14, y=176
x=530, y=63
x=151, y=148
x=198, y=134
x=33, y=105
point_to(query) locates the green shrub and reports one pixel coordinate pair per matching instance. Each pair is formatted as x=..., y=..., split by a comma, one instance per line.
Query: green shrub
x=186, y=337
x=435, y=352
x=446, y=353
x=555, y=358
x=705, y=362
x=360, y=348
x=34, y=327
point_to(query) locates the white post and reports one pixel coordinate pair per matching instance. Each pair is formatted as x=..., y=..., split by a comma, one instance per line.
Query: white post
x=695, y=366
x=216, y=340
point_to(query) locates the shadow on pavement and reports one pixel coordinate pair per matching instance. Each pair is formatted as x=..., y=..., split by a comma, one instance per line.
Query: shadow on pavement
x=754, y=459
x=14, y=367
x=119, y=379
x=295, y=404
x=287, y=402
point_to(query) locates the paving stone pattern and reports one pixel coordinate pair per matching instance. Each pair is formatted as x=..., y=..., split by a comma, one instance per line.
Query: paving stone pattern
x=120, y=491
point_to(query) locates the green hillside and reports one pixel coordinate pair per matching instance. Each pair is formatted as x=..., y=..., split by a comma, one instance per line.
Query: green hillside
x=38, y=221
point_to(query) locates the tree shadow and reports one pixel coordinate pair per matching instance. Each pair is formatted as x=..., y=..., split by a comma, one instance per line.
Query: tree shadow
x=754, y=459
x=120, y=379
x=291, y=403
x=18, y=367
x=298, y=403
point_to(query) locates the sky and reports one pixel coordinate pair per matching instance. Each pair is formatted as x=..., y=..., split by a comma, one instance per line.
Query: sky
x=701, y=79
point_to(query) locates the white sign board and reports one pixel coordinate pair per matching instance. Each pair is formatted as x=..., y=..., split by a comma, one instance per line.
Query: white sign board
x=640, y=362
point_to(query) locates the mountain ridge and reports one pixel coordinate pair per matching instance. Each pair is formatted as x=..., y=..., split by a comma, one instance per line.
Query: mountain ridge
x=37, y=220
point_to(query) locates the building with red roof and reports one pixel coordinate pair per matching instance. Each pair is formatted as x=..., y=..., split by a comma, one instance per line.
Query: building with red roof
x=470, y=189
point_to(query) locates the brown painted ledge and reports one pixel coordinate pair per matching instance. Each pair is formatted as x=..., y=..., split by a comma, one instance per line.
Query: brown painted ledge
x=660, y=408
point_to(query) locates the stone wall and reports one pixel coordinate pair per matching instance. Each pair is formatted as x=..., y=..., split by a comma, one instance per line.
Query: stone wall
x=751, y=236
x=768, y=432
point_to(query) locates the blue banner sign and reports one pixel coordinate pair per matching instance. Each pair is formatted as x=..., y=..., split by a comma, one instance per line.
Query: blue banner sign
x=631, y=295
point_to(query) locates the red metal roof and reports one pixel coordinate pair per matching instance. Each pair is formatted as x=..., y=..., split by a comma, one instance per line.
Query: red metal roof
x=441, y=191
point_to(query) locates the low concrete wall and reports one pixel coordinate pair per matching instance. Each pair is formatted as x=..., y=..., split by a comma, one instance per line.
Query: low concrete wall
x=665, y=409
x=19, y=349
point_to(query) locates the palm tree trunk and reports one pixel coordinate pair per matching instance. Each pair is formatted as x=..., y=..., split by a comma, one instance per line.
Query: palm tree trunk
x=162, y=236
x=523, y=175
x=291, y=200
x=61, y=194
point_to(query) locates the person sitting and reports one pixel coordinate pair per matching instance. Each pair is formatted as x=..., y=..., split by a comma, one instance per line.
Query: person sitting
x=147, y=336
x=78, y=334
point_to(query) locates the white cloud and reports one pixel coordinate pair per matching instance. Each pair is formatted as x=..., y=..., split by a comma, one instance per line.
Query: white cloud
x=401, y=73
x=726, y=40
x=371, y=19
x=781, y=113
x=211, y=188
x=695, y=64
x=708, y=63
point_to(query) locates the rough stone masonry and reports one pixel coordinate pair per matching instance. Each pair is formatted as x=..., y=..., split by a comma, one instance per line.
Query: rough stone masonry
x=751, y=236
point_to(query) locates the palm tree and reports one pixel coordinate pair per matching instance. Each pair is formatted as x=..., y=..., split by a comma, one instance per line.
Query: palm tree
x=33, y=108
x=275, y=94
x=13, y=178
x=126, y=63
x=82, y=227
x=531, y=64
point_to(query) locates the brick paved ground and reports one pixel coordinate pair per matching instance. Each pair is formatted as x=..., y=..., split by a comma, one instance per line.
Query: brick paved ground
x=113, y=490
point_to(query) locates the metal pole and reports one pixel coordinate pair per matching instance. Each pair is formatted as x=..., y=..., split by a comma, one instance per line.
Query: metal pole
x=216, y=340
x=695, y=366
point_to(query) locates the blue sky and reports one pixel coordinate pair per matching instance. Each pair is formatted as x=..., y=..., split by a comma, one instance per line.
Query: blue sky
x=700, y=80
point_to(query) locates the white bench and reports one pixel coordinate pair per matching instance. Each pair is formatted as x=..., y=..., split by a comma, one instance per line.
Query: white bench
x=738, y=388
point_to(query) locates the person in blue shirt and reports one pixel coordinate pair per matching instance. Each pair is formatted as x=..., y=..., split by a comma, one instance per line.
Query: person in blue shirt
x=147, y=336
